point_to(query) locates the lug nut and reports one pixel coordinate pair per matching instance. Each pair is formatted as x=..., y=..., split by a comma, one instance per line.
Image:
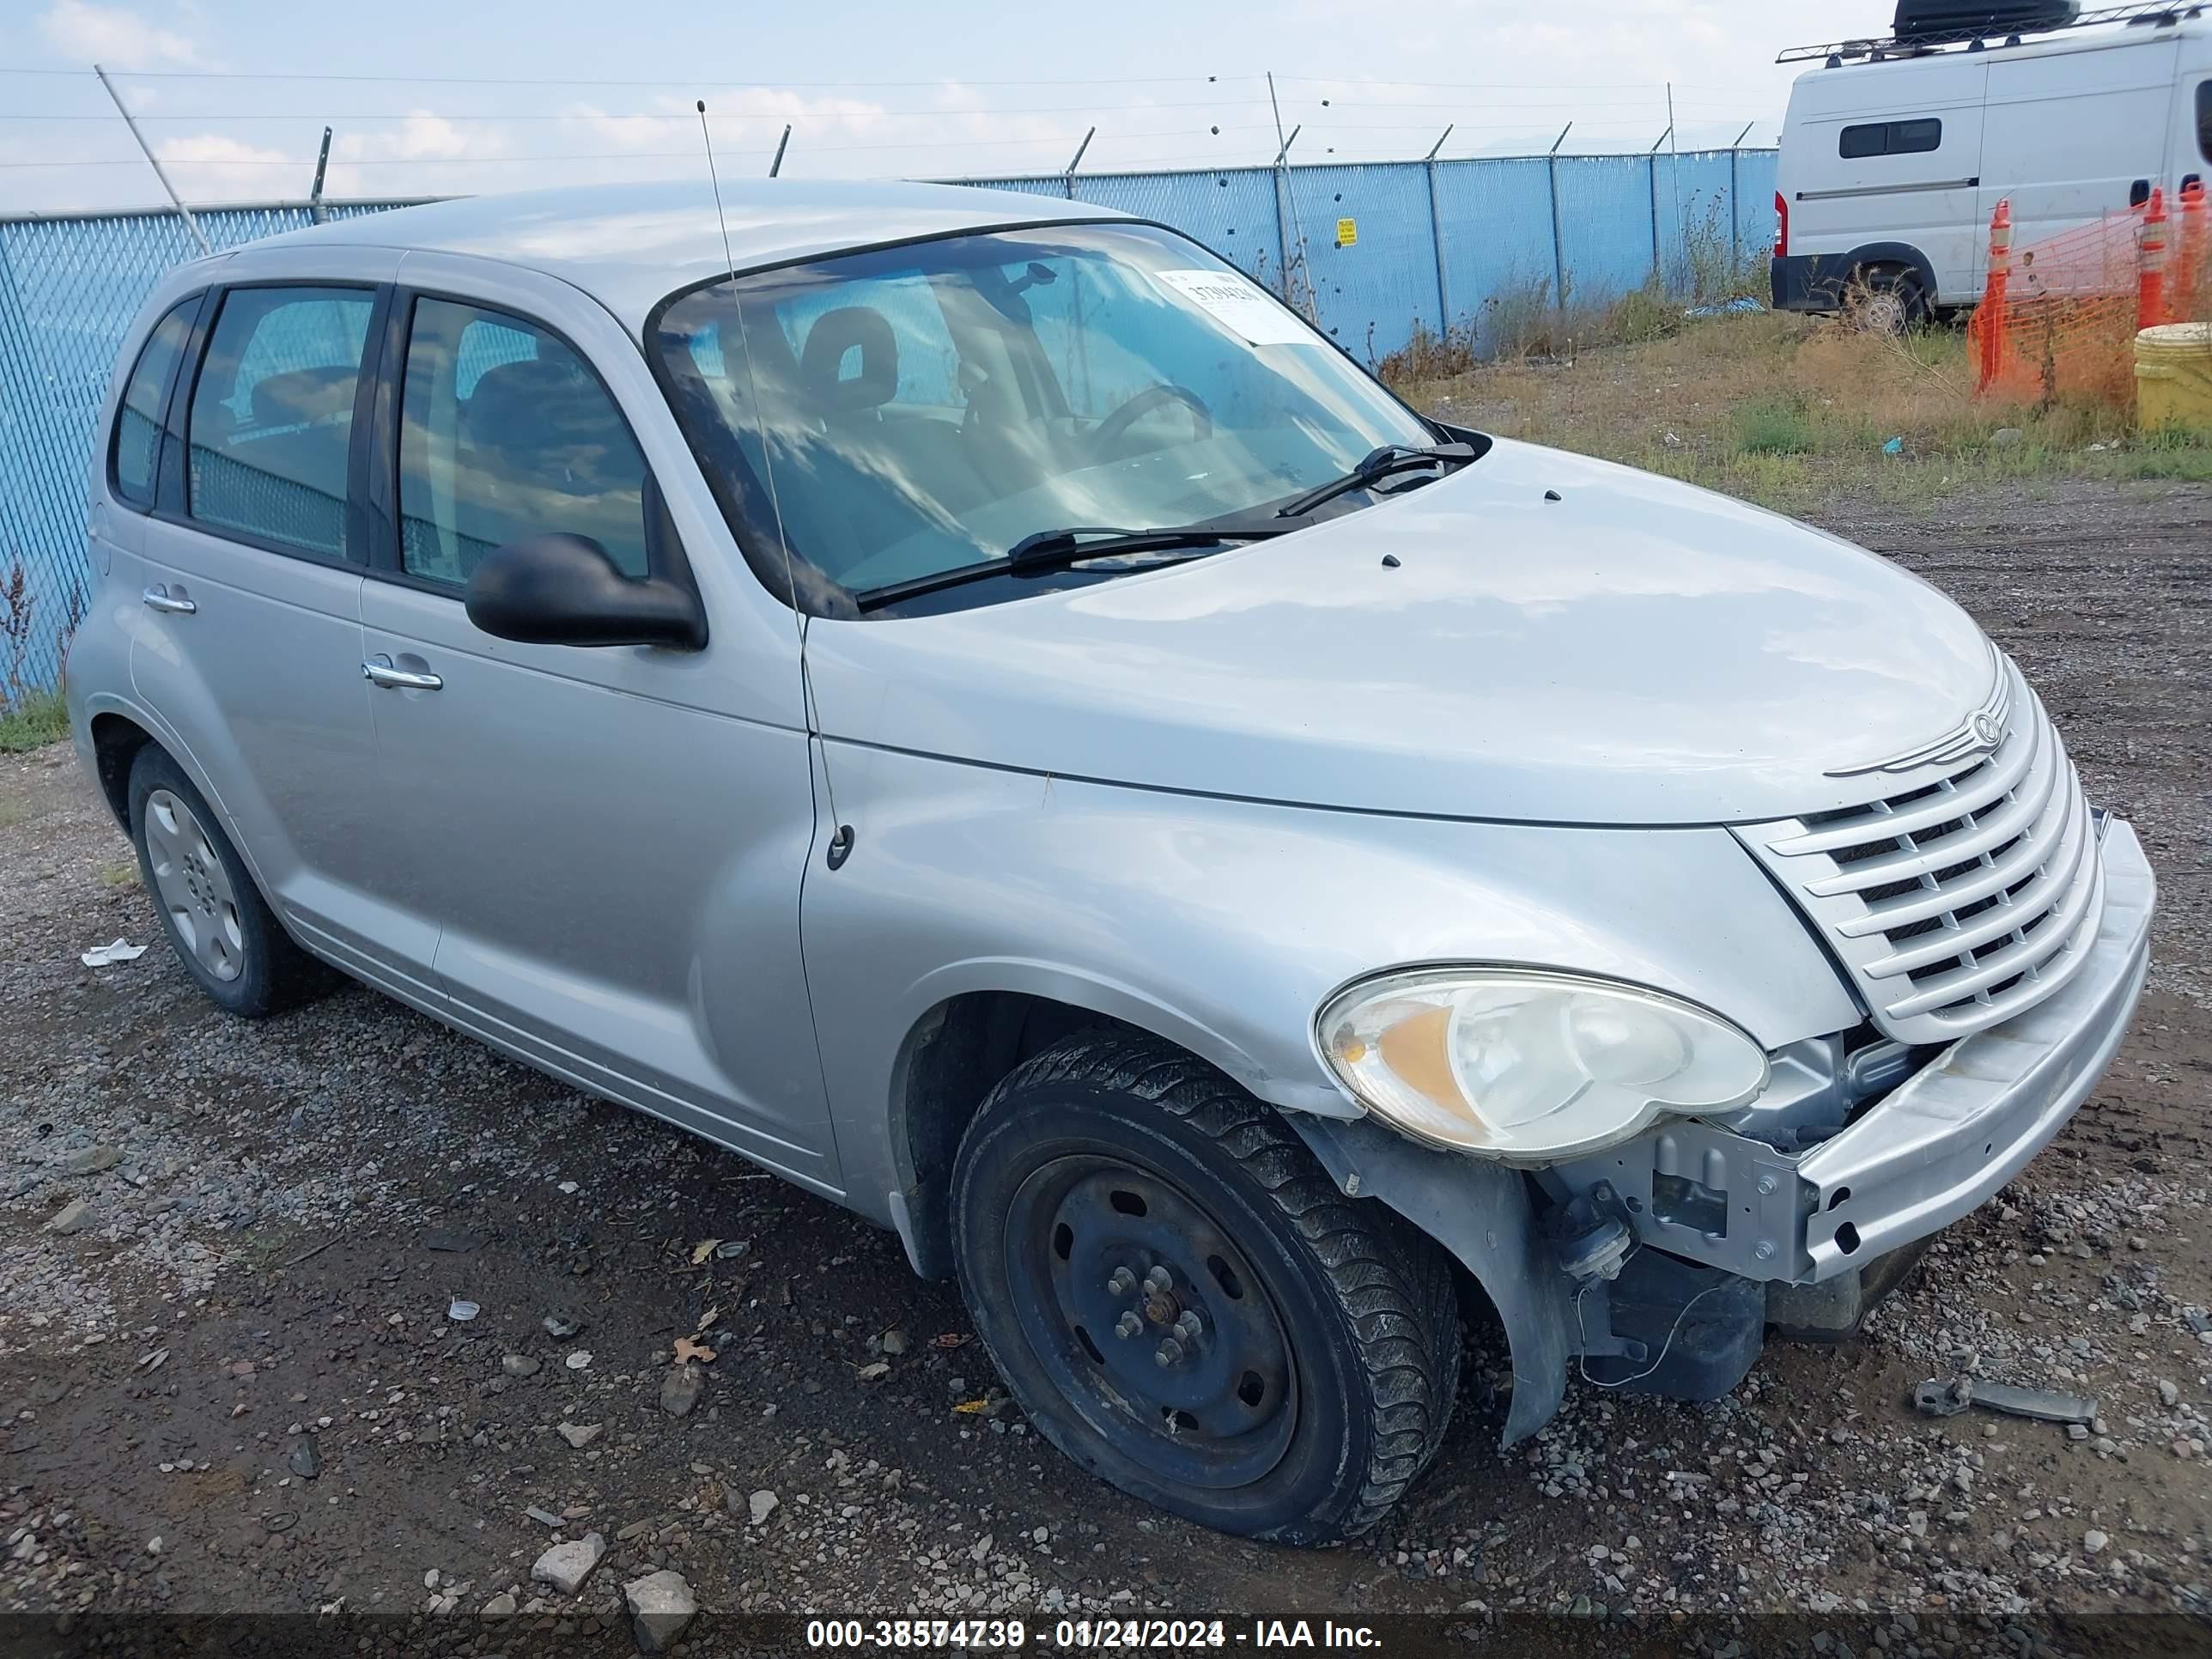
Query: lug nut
x=1159, y=1281
x=1122, y=1283
x=1167, y=1354
x=1128, y=1325
x=1187, y=1328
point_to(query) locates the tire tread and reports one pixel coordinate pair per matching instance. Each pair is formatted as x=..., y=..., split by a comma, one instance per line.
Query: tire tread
x=1393, y=1284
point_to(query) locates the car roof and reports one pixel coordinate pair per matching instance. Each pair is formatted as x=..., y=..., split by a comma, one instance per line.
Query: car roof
x=631, y=245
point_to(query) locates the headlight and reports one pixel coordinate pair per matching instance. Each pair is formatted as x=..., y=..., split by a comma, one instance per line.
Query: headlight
x=1530, y=1066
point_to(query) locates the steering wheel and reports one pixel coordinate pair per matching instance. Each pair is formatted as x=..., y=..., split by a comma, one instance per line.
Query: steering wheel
x=1111, y=431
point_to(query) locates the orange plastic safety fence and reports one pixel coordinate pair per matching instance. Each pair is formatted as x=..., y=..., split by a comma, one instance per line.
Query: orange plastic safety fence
x=2058, y=319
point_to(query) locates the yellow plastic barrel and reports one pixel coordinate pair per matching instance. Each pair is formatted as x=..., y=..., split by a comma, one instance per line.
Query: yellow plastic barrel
x=2174, y=376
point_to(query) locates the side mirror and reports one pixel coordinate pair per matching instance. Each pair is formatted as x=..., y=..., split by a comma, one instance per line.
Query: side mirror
x=564, y=590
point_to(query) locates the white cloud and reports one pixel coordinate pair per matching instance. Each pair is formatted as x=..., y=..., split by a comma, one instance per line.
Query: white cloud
x=211, y=166
x=114, y=38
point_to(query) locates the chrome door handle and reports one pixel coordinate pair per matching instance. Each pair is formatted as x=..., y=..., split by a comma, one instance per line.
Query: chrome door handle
x=158, y=598
x=378, y=671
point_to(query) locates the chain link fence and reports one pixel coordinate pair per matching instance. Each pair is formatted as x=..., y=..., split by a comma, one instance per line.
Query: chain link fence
x=1374, y=252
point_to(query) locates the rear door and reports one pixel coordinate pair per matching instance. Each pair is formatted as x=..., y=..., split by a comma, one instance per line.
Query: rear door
x=248, y=646
x=613, y=837
x=2075, y=135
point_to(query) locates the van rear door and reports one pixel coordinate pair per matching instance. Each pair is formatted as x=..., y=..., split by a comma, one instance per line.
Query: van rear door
x=2073, y=135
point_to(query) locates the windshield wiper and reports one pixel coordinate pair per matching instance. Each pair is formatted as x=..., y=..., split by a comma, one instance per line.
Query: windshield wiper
x=1053, y=550
x=1049, y=548
x=1379, y=465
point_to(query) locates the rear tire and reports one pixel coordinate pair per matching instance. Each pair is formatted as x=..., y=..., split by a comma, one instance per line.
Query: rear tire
x=1887, y=300
x=1183, y=1302
x=217, y=922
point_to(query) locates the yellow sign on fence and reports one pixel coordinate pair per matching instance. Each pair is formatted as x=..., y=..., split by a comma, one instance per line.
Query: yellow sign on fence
x=1347, y=232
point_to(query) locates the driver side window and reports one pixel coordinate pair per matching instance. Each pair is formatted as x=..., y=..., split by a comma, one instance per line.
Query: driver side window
x=504, y=433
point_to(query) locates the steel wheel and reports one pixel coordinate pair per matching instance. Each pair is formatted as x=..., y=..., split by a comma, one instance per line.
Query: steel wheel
x=1152, y=1322
x=193, y=887
x=1182, y=1301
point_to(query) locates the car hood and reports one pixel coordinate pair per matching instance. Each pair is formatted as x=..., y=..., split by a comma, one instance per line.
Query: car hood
x=1559, y=639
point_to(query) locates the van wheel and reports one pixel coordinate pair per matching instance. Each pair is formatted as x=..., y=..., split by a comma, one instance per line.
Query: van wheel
x=217, y=922
x=1885, y=301
x=1183, y=1302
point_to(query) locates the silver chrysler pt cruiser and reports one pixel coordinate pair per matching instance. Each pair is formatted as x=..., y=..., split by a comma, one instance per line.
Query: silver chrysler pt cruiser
x=967, y=702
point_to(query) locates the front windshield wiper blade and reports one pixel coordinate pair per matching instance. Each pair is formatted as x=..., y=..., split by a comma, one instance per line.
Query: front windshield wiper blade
x=1379, y=465
x=1049, y=548
x=1052, y=549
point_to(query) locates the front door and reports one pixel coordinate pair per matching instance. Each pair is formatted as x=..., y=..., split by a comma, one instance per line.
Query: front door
x=613, y=838
x=249, y=651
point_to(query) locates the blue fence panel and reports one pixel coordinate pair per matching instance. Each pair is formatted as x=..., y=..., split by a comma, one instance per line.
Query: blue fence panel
x=1605, y=225
x=1369, y=293
x=1495, y=219
x=1755, y=171
x=1232, y=212
x=68, y=289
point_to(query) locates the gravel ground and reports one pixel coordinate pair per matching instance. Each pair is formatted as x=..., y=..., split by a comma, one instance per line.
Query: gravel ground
x=241, y=1381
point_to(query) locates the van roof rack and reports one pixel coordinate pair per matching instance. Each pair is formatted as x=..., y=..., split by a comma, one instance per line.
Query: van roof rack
x=1840, y=52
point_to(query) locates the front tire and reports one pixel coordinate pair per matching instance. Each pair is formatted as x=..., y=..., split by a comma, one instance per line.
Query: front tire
x=217, y=922
x=1183, y=1302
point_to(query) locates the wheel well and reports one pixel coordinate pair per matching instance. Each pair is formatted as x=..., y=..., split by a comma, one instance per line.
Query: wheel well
x=957, y=1053
x=116, y=742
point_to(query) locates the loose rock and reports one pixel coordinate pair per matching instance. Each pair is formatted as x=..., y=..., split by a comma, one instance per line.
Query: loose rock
x=566, y=1566
x=580, y=1435
x=660, y=1605
x=521, y=1365
x=762, y=1505
x=680, y=1389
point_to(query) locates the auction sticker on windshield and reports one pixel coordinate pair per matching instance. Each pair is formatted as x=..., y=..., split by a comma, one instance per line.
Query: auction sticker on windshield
x=1238, y=305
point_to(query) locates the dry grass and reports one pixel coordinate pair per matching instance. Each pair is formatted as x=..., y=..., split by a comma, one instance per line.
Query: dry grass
x=1793, y=411
x=38, y=718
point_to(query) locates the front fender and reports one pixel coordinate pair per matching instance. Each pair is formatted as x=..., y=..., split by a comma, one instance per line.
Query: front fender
x=1224, y=925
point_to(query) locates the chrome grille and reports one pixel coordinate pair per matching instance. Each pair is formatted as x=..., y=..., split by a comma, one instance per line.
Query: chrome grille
x=1958, y=903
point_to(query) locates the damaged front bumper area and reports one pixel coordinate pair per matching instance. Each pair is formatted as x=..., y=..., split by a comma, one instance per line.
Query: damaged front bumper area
x=1940, y=1143
x=1658, y=1266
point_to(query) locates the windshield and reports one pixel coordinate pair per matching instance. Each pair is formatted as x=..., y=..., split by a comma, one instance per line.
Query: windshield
x=912, y=410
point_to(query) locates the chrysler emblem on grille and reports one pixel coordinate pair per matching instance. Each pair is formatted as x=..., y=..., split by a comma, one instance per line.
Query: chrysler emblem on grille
x=1980, y=733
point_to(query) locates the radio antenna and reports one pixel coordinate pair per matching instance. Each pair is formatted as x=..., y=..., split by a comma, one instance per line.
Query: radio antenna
x=840, y=836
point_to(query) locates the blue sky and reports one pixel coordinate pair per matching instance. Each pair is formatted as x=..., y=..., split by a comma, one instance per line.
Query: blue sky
x=467, y=95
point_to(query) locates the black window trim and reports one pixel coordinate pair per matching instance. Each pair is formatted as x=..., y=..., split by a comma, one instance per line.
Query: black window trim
x=197, y=299
x=173, y=502
x=2204, y=118
x=763, y=547
x=665, y=557
x=1888, y=127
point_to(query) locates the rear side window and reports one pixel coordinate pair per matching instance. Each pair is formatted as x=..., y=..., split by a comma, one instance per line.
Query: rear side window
x=136, y=443
x=506, y=434
x=2204, y=118
x=1891, y=139
x=271, y=432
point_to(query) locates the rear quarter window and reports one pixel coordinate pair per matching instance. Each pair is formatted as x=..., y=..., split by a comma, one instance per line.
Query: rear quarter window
x=2204, y=120
x=1911, y=137
x=135, y=445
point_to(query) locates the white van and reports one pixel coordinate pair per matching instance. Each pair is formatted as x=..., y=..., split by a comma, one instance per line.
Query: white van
x=1895, y=155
